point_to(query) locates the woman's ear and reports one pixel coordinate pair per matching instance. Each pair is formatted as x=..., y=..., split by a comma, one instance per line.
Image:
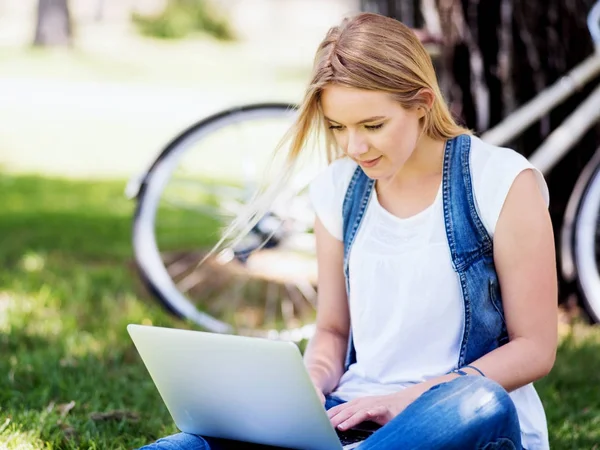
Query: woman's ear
x=427, y=98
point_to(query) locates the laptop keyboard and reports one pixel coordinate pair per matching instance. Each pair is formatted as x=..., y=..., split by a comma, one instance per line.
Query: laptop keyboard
x=352, y=436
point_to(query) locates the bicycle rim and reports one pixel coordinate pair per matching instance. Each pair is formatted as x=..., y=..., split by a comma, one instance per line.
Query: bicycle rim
x=587, y=247
x=221, y=279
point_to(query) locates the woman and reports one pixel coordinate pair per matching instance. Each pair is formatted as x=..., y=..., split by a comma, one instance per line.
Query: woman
x=437, y=282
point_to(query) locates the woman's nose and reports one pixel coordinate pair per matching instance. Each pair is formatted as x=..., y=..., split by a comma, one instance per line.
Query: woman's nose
x=356, y=146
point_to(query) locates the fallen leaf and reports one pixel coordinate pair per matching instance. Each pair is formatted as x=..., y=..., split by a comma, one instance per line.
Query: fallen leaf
x=64, y=408
x=115, y=415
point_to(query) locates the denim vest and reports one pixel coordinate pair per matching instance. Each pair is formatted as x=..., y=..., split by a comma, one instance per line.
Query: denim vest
x=470, y=249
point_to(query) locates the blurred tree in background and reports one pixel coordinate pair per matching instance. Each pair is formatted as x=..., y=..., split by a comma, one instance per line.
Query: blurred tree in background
x=495, y=55
x=501, y=53
x=182, y=17
x=100, y=10
x=53, y=25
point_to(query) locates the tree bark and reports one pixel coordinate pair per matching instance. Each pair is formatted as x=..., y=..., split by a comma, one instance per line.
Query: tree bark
x=498, y=54
x=406, y=11
x=502, y=53
x=53, y=26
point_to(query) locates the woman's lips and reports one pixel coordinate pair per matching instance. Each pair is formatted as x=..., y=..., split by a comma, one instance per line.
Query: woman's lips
x=369, y=163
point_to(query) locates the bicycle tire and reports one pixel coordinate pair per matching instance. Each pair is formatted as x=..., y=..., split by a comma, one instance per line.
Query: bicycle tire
x=586, y=246
x=147, y=255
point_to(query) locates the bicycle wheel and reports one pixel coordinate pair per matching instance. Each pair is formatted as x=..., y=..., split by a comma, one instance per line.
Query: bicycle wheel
x=197, y=185
x=586, y=248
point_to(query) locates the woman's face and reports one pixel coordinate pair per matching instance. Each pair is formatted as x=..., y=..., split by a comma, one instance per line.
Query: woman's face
x=372, y=128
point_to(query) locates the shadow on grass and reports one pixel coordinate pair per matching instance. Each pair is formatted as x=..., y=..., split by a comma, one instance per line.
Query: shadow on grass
x=75, y=219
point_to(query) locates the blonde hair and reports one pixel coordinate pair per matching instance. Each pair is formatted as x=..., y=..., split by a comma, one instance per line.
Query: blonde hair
x=368, y=51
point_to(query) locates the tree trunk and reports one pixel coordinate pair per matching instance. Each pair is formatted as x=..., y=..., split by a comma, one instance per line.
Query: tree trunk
x=53, y=24
x=406, y=11
x=500, y=54
x=507, y=51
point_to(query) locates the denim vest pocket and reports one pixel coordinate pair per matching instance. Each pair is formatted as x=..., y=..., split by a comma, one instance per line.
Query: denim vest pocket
x=497, y=303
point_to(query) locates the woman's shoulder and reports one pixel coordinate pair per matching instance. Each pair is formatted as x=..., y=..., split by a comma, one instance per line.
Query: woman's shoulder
x=494, y=169
x=485, y=154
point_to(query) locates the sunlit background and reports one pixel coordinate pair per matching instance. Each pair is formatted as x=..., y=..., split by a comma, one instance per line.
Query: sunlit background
x=106, y=105
x=91, y=91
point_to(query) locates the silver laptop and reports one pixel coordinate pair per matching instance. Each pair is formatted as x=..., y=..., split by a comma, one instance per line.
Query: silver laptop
x=240, y=388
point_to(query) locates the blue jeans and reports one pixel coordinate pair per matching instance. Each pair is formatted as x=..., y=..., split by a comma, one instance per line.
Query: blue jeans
x=469, y=412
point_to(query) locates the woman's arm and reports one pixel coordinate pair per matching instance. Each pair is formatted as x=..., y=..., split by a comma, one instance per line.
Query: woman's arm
x=325, y=353
x=526, y=266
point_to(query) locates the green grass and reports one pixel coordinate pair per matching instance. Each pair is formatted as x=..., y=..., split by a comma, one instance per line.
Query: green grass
x=67, y=291
x=570, y=393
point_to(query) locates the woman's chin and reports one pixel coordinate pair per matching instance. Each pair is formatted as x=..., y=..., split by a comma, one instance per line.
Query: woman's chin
x=375, y=173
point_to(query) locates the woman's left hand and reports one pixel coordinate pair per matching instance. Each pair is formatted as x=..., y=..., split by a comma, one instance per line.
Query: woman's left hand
x=379, y=409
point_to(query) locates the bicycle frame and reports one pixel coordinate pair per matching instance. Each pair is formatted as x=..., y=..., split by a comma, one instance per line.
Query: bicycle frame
x=563, y=138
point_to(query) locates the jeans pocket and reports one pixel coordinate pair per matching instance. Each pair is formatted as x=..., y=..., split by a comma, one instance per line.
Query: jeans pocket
x=500, y=444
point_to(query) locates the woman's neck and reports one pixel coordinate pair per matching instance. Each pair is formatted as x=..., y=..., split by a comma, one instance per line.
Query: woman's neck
x=424, y=164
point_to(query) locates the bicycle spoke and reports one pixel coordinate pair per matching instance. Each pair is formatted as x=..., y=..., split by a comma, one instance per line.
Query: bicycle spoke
x=192, y=280
x=308, y=291
x=304, y=309
x=182, y=264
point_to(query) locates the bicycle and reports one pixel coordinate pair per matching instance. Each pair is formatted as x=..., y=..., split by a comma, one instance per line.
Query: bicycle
x=265, y=284
x=580, y=234
x=274, y=262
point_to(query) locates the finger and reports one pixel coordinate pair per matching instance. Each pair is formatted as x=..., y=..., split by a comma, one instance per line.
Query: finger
x=355, y=419
x=342, y=416
x=332, y=412
x=352, y=405
x=379, y=415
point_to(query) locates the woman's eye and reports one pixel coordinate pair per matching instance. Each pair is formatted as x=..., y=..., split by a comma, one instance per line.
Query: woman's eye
x=335, y=127
x=373, y=127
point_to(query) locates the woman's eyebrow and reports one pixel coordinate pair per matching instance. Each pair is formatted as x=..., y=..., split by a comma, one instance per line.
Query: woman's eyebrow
x=370, y=119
